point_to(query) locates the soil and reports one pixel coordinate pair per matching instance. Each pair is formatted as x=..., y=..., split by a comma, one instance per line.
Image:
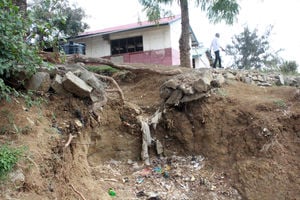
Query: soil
x=242, y=142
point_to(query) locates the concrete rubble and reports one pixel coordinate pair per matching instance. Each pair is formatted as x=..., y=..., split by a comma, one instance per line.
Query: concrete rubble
x=70, y=79
x=197, y=84
x=75, y=85
x=178, y=89
x=186, y=87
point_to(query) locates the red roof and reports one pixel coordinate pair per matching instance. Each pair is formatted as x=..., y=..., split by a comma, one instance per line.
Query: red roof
x=136, y=25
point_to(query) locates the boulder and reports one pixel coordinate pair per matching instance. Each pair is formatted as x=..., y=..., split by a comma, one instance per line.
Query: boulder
x=202, y=84
x=218, y=81
x=98, y=95
x=40, y=81
x=75, y=85
x=280, y=80
x=57, y=86
x=175, y=97
x=17, y=177
x=186, y=87
x=193, y=97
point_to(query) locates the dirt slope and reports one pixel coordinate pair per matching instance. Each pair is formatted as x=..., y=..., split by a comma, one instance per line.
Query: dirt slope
x=240, y=143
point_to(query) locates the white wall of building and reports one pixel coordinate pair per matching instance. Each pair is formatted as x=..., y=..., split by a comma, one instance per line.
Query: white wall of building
x=157, y=38
x=175, y=30
x=95, y=46
x=154, y=38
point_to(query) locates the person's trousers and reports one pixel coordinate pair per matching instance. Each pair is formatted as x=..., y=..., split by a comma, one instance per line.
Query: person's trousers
x=217, y=59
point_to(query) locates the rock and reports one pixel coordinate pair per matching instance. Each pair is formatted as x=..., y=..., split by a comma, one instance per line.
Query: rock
x=175, y=97
x=159, y=147
x=292, y=81
x=248, y=80
x=165, y=92
x=57, y=86
x=172, y=83
x=280, y=80
x=78, y=123
x=218, y=81
x=202, y=84
x=40, y=81
x=193, y=97
x=264, y=84
x=98, y=95
x=17, y=177
x=92, y=80
x=132, y=108
x=186, y=89
x=75, y=85
x=229, y=75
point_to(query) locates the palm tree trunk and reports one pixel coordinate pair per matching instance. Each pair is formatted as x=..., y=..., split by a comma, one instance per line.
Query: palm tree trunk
x=184, y=41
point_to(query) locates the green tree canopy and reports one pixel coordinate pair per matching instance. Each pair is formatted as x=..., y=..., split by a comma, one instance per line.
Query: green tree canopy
x=217, y=10
x=252, y=51
x=54, y=20
x=289, y=67
x=15, y=54
x=13, y=49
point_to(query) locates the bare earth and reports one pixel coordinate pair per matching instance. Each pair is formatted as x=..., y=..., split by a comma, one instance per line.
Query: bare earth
x=240, y=143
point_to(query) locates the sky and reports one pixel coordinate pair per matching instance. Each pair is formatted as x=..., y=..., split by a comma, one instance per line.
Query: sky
x=256, y=14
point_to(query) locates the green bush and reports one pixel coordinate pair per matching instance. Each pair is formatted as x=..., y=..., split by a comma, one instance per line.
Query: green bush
x=106, y=70
x=289, y=67
x=9, y=156
x=15, y=54
x=6, y=91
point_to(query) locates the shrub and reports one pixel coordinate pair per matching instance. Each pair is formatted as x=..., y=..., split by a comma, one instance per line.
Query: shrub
x=106, y=70
x=9, y=156
x=289, y=67
x=15, y=54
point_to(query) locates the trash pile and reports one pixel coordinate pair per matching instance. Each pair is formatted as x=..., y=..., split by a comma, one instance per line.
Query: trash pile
x=169, y=178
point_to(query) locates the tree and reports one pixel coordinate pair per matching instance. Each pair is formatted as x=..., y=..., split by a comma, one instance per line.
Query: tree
x=217, y=10
x=289, y=67
x=55, y=20
x=249, y=50
x=15, y=54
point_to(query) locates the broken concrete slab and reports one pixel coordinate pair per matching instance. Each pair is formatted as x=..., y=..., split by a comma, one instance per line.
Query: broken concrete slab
x=165, y=92
x=57, y=86
x=175, y=97
x=92, y=80
x=193, y=97
x=75, y=85
x=218, y=81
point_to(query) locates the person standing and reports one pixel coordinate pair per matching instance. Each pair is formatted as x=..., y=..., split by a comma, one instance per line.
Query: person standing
x=215, y=46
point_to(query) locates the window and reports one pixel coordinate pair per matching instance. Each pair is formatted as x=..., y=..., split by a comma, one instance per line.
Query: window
x=126, y=45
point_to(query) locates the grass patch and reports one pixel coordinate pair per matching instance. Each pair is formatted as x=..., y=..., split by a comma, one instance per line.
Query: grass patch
x=9, y=156
x=32, y=100
x=280, y=103
x=103, y=69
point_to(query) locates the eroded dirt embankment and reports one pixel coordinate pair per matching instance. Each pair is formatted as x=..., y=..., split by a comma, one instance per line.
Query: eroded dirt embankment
x=248, y=135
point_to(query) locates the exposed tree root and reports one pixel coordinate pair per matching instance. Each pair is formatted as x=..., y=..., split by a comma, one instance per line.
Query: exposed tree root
x=77, y=192
x=119, y=90
x=85, y=59
x=69, y=140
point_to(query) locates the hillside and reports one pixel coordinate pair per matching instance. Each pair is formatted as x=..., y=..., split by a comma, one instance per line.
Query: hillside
x=239, y=142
